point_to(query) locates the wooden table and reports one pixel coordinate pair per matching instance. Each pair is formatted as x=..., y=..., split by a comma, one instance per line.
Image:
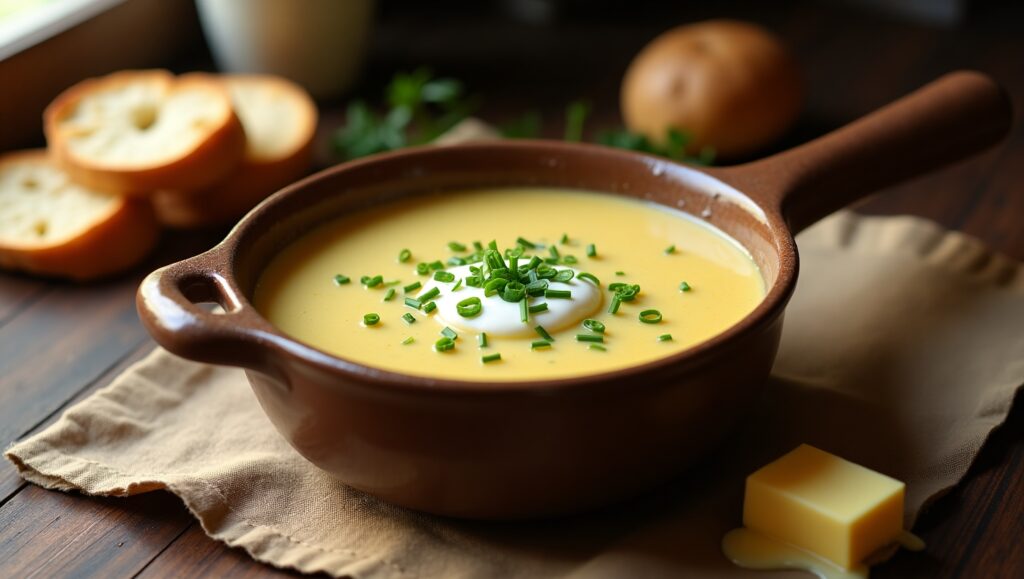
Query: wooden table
x=60, y=342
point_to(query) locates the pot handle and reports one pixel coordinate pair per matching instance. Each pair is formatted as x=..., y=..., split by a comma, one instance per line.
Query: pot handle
x=957, y=115
x=167, y=302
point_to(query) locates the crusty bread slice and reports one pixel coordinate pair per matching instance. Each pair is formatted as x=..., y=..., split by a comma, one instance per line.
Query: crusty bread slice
x=280, y=121
x=134, y=132
x=53, y=226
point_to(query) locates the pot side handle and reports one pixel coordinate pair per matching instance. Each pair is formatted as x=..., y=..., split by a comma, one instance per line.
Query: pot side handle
x=955, y=116
x=167, y=302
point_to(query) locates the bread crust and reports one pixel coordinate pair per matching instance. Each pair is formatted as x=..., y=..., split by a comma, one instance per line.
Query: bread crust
x=213, y=158
x=109, y=246
x=256, y=177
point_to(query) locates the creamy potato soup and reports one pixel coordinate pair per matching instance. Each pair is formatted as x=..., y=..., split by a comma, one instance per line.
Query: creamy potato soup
x=509, y=284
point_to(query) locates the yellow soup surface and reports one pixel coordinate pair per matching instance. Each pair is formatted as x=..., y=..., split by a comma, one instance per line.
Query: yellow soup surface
x=636, y=243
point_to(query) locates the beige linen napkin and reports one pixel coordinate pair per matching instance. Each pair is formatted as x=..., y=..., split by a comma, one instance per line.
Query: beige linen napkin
x=902, y=351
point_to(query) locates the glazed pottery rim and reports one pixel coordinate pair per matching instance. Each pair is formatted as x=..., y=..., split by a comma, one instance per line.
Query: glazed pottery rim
x=226, y=253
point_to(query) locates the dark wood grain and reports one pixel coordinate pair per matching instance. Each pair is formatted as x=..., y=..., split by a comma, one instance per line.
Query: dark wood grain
x=59, y=342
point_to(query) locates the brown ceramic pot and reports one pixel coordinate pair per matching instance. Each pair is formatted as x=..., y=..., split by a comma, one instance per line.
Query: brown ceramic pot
x=527, y=449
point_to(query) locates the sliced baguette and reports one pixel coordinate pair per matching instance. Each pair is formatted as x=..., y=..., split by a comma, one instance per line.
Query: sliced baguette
x=52, y=226
x=280, y=121
x=134, y=132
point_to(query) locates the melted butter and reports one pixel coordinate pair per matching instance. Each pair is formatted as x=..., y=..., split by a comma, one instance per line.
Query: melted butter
x=753, y=550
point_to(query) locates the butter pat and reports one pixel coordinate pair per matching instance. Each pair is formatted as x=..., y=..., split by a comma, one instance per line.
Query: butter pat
x=827, y=505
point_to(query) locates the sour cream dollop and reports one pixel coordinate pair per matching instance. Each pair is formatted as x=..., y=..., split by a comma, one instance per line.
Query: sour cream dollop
x=501, y=318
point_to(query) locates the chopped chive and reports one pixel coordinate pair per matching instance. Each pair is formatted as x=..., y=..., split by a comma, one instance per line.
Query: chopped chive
x=491, y=358
x=650, y=316
x=435, y=265
x=444, y=276
x=389, y=294
x=409, y=318
x=456, y=246
x=593, y=325
x=365, y=279
x=469, y=307
x=408, y=341
x=481, y=340
x=494, y=286
x=412, y=287
x=514, y=291
x=564, y=276
x=558, y=294
x=456, y=260
x=589, y=338
x=545, y=271
x=493, y=245
x=449, y=333
x=478, y=246
x=597, y=347
x=591, y=278
x=665, y=337
x=422, y=268
x=524, y=243
x=614, y=307
x=341, y=279
x=444, y=344
x=537, y=308
x=543, y=333
x=458, y=284
x=538, y=344
x=569, y=259
x=371, y=319
x=374, y=281
x=429, y=294
x=534, y=262
x=536, y=288
x=670, y=250
x=554, y=252
x=620, y=273
x=393, y=282
x=591, y=250
x=524, y=311
x=429, y=307
x=413, y=303
x=565, y=239
x=684, y=287
x=404, y=256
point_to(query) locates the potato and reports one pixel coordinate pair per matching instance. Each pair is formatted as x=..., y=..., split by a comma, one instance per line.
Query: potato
x=729, y=84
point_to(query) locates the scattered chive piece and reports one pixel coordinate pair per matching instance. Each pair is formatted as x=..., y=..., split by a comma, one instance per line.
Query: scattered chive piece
x=534, y=262
x=524, y=311
x=409, y=318
x=537, y=308
x=597, y=347
x=494, y=286
x=436, y=265
x=491, y=358
x=371, y=319
x=469, y=307
x=650, y=316
x=458, y=284
x=341, y=279
x=543, y=333
x=620, y=273
x=431, y=306
x=374, y=281
x=591, y=278
x=514, y=291
x=408, y=341
x=665, y=337
x=444, y=344
x=554, y=252
x=564, y=275
x=569, y=260
x=591, y=250
x=565, y=239
x=478, y=246
x=593, y=325
x=536, y=345
x=389, y=294
x=456, y=246
x=404, y=256
x=449, y=333
x=494, y=244
x=412, y=287
x=456, y=260
x=614, y=307
x=392, y=282
x=364, y=279
x=670, y=250
x=524, y=243
x=481, y=340
x=422, y=268
x=558, y=294
x=413, y=303
x=429, y=294
x=445, y=276
x=684, y=287
x=589, y=338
